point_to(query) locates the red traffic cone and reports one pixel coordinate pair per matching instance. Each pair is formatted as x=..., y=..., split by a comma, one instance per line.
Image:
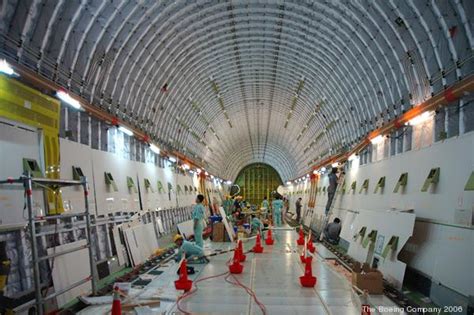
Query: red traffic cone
x=269, y=238
x=241, y=251
x=258, y=248
x=365, y=310
x=116, y=304
x=183, y=283
x=308, y=280
x=236, y=267
x=300, y=240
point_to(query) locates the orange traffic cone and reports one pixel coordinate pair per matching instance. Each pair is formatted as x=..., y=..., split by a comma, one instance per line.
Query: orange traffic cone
x=300, y=241
x=236, y=267
x=183, y=283
x=116, y=304
x=258, y=248
x=241, y=251
x=269, y=238
x=308, y=280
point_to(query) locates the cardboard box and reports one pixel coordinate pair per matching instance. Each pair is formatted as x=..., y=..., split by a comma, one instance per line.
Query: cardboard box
x=218, y=231
x=366, y=278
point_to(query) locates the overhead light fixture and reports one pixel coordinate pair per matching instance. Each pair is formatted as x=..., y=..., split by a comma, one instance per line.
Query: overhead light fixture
x=154, y=148
x=212, y=176
x=323, y=169
x=335, y=164
x=6, y=68
x=315, y=172
x=206, y=173
x=288, y=183
x=66, y=98
x=307, y=175
x=172, y=159
x=126, y=131
x=198, y=170
x=377, y=139
x=186, y=166
x=420, y=119
x=228, y=182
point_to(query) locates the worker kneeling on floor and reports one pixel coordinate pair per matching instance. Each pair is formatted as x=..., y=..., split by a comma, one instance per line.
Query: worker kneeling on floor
x=194, y=253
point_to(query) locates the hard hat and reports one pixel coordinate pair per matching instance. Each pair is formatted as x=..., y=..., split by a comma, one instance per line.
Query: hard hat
x=177, y=237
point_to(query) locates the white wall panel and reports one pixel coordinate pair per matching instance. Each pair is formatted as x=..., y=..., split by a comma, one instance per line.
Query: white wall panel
x=16, y=144
x=441, y=246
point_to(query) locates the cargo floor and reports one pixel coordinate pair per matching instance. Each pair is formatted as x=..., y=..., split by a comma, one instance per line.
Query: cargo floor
x=272, y=275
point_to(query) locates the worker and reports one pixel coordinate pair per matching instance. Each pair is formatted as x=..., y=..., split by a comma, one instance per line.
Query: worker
x=198, y=220
x=332, y=231
x=298, y=206
x=277, y=206
x=331, y=188
x=192, y=251
x=265, y=203
x=256, y=225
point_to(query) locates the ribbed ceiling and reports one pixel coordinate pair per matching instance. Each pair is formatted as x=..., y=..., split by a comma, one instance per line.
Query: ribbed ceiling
x=237, y=82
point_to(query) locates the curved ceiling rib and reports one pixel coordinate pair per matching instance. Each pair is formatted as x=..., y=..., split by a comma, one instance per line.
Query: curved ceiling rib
x=283, y=83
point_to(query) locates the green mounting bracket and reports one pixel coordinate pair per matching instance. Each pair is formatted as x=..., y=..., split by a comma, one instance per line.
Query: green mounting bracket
x=186, y=189
x=148, y=184
x=319, y=189
x=195, y=189
x=470, y=183
x=371, y=237
x=380, y=184
x=179, y=190
x=109, y=180
x=433, y=178
x=77, y=173
x=324, y=189
x=160, y=187
x=31, y=166
x=170, y=187
x=131, y=184
x=391, y=246
x=365, y=186
x=402, y=181
x=361, y=232
x=354, y=185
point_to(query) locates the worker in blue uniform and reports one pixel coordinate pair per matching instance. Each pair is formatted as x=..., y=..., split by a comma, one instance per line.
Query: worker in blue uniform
x=277, y=206
x=198, y=217
x=256, y=225
x=265, y=203
x=191, y=250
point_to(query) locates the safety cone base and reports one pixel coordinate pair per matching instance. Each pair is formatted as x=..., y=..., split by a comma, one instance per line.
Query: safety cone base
x=236, y=268
x=185, y=285
x=300, y=241
x=257, y=249
x=311, y=250
x=308, y=281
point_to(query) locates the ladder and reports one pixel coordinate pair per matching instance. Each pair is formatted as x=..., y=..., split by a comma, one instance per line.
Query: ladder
x=340, y=181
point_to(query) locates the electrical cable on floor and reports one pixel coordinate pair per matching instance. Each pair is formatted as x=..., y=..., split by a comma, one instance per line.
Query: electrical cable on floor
x=227, y=274
x=248, y=290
